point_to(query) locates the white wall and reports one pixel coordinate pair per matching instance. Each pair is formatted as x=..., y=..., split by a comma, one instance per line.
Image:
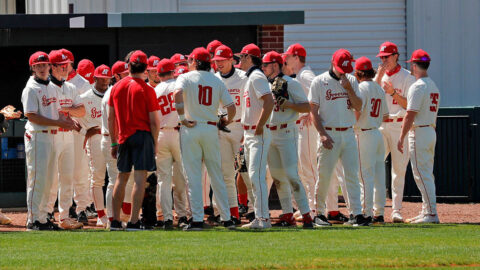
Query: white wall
x=449, y=30
x=124, y=6
x=46, y=6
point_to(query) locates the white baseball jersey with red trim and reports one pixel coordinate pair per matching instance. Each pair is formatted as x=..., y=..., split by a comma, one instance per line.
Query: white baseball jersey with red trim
x=401, y=81
x=256, y=87
x=424, y=98
x=168, y=113
x=80, y=83
x=374, y=106
x=332, y=99
x=203, y=93
x=305, y=76
x=296, y=96
x=42, y=100
x=105, y=98
x=93, y=109
x=235, y=84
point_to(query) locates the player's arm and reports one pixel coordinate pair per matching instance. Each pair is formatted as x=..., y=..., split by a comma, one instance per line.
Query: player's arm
x=154, y=126
x=388, y=87
x=63, y=121
x=299, y=107
x=75, y=111
x=178, y=99
x=326, y=140
x=113, y=131
x=267, y=108
x=406, y=126
x=231, y=111
x=355, y=100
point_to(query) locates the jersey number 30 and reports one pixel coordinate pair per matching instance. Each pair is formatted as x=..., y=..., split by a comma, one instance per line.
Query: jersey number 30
x=205, y=95
x=376, y=102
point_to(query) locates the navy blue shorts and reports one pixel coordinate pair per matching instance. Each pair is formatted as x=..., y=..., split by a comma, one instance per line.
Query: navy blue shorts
x=137, y=151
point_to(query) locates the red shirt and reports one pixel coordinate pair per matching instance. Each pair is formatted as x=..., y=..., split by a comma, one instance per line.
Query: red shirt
x=133, y=100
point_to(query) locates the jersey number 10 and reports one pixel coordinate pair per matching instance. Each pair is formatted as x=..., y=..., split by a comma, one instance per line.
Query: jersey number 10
x=205, y=95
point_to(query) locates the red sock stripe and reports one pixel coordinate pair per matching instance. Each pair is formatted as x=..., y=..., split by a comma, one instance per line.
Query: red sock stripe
x=234, y=212
x=243, y=198
x=127, y=208
x=101, y=213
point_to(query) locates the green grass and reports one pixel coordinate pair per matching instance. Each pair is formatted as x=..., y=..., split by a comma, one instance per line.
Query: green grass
x=387, y=246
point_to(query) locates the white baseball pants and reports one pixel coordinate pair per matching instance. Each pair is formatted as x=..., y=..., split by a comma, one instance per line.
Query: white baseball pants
x=81, y=178
x=337, y=180
x=308, y=167
x=98, y=166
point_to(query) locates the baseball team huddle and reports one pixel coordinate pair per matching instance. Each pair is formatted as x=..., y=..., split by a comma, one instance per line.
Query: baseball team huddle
x=219, y=130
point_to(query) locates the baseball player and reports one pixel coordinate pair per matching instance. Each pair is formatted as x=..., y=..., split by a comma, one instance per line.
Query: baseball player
x=202, y=93
x=282, y=164
x=179, y=60
x=153, y=79
x=120, y=71
x=168, y=151
x=295, y=58
x=395, y=81
x=371, y=151
x=211, y=47
x=333, y=96
x=179, y=70
x=423, y=101
x=256, y=109
x=91, y=128
x=86, y=68
x=234, y=79
x=138, y=128
x=81, y=181
x=334, y=215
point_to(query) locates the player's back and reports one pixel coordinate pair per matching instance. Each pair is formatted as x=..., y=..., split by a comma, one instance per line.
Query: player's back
x=425, y=100
x=202, y=92
x=374, y=106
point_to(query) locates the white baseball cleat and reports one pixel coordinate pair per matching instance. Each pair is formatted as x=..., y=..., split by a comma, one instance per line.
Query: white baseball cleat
x=410, y=220
x=102, y=222
x=397, y=217
x=4, y=220
x=298, y=216
x=427, y=219
x=259, y=224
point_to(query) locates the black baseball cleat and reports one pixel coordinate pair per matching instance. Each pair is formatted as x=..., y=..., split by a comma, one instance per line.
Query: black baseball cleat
x=214, y=220
x=358, y=220
x=72, y=212
x=194, y=226
x=283, y=224
x=159, y=224
x=116, y=225
x=321, y=221
x=337, y=219
x=242, y=209
x=82, y=217
x=168, y=225
x=182, y=222
x=51, y=216
x=91, y=212
x=236, y=221
x=137, y=226
x=47, y=226
x=250, y=216
x=229, y=224
x=208, y=211
x=378, y=220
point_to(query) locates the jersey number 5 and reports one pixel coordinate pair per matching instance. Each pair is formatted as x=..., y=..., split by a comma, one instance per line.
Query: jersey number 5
x=205, y=95
x=434, y=98
x=375, y=112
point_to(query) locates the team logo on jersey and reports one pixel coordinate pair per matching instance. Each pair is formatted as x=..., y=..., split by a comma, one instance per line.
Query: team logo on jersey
x=66, y=101
x=333, y=96
x=47, y=101
x=95, y=113
x=234, y=91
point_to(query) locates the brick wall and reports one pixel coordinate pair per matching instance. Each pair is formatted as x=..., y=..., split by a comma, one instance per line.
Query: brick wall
x=270, y=38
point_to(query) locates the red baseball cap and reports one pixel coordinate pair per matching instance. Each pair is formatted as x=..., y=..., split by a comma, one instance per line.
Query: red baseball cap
x=86, y=69
x=58, y=57
x=251, y=49
x=342, y=61
x=119, y=67
x=272, y=57
x=138, y=57
x=201, y=54
x=178, y=58
x=180, y=70
x=419, y=56
x=38, y=58
x=69, y=54
x=103, y=71
x=363, y=63
x=387, y=48
x=153, y=62
x=165, y=65
x=296, y=49
x=213, y=45
x=222, y=52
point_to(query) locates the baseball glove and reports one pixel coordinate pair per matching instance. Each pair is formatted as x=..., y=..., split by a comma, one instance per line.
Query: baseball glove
x=240, y=162
x=221, y=124
x=280, y=90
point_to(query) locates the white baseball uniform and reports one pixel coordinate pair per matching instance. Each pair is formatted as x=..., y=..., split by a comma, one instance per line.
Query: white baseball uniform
x=282, y=163
x=112, y=169
x=81, y=183
x=230, y=142
x=92, y=99
x=338, y=118
x=168, y=151
x=202, y=94
x=401, y=81
x=41, y=148
x=424, y=98
x=256, y=146
x=67, y=97
x=307, y=143
x=337, y=180
x=371, y=151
